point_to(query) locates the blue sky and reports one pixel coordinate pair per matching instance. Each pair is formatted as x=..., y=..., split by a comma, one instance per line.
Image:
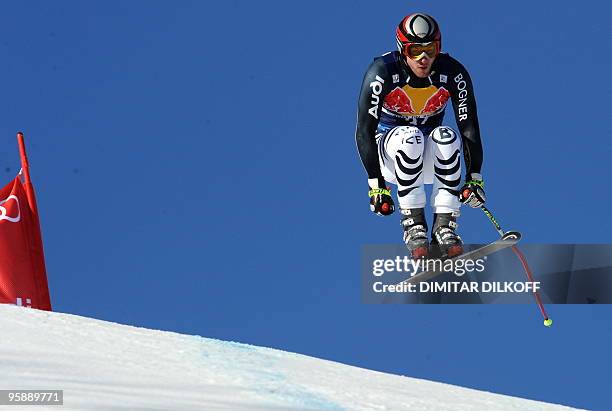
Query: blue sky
x=196, y=171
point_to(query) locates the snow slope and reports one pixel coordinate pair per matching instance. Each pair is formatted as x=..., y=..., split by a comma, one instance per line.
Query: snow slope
x=107, y=366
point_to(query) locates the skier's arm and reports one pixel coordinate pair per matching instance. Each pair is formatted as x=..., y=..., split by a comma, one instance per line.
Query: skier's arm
x=369, y=108
x=464, y=105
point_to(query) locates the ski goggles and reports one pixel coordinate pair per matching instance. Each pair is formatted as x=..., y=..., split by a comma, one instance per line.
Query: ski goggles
x=415, y=51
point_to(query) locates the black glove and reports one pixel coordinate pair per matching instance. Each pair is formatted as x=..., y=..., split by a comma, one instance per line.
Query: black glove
x=472, y=193
x=381, y=202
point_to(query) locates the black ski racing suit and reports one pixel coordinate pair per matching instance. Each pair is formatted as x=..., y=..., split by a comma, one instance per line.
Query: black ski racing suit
x=391, y=95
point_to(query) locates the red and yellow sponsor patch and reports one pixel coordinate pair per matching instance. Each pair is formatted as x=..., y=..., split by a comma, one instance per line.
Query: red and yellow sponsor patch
x=411, y=101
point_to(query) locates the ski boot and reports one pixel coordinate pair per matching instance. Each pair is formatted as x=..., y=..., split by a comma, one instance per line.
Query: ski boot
x=444, y=237
x=415, y=231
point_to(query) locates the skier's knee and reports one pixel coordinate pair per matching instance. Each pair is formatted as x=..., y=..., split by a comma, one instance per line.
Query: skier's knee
x=408, y=139
x=444, y=135
x=447, y=146
x=409, y=135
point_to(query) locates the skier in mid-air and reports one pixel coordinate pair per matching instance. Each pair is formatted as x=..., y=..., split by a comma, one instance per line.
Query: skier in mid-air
x=401, y=139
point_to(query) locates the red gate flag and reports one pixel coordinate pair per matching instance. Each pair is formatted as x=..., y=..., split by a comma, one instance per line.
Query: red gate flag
x=23, y=276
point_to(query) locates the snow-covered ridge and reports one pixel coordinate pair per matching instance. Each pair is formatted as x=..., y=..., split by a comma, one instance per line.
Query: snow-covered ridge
x=107, y=366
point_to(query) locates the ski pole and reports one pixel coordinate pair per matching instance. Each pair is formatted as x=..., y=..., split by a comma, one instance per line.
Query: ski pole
x=521, y=256
x=492, y=220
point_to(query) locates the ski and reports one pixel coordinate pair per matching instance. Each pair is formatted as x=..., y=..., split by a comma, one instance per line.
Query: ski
x=507, y=240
